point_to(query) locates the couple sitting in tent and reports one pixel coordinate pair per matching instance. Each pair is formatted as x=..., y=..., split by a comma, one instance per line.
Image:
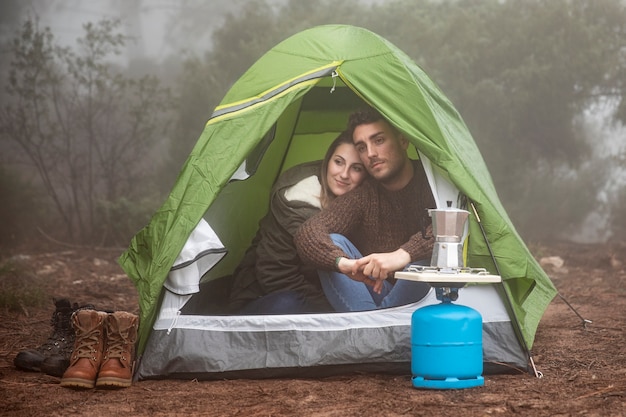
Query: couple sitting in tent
x=307, y=254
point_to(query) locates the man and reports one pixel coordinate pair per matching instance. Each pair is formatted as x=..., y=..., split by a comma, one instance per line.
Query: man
x=386, y=219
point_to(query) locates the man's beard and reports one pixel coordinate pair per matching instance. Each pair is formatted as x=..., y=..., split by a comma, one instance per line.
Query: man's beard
x=392, y=173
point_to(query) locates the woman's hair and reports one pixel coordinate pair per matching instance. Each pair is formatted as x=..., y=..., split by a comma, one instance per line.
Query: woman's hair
x=327, y=195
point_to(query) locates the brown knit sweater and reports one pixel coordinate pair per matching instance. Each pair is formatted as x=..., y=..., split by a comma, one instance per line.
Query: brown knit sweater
x=374, y=219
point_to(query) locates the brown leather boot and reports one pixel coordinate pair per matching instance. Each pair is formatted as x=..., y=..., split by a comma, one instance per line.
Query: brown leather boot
x=87, y=353
x=116, y=370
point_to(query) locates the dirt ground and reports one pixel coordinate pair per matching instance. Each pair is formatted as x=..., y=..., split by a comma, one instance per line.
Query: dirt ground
x=583, y=367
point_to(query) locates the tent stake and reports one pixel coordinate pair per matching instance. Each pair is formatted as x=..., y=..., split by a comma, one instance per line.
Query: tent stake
x=584, y=320
x=518, y=329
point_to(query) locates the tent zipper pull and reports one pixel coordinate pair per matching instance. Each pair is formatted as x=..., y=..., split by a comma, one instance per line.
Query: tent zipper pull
x=334, y=76
x=174, y=321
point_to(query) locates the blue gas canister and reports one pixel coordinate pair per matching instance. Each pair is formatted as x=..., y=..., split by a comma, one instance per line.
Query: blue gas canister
x=446, y=347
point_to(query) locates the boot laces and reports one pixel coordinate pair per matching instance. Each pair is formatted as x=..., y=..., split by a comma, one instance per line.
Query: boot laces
x=62, y=336
x=117, y=346
x=85, y=346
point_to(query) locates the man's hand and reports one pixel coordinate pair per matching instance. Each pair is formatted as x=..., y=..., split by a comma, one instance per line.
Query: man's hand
x=380, y=266
x=375, y=268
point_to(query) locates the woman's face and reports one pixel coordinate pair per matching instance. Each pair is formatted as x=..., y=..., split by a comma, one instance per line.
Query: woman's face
x=345, y=170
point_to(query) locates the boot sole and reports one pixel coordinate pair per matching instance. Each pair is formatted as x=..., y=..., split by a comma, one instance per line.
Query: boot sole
x=77, y=383
x=113, y=382
x=27, y=368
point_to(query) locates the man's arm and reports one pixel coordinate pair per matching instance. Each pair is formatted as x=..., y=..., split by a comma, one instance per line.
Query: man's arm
x=420, y=247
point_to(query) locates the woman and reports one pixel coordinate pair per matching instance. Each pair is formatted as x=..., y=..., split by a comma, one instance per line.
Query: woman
x=271, y=279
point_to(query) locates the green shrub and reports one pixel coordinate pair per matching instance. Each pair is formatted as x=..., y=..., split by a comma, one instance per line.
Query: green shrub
x=20, y=209
x=617, y=220
x=120, y=220
x=19, y=287
x=551, y=202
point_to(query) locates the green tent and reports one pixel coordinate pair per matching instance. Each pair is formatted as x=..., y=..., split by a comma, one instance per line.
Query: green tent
x=285, y=110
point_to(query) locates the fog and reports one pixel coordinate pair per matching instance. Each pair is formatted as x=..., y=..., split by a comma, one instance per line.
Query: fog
x=164, y=33
x=152, y=24
x=155, y=25
x=609, y=141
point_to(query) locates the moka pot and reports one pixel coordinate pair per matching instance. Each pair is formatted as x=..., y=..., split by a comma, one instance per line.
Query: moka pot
x=448, y=229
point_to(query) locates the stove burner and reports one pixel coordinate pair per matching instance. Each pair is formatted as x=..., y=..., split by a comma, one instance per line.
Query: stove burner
x=446, y=270
x=447, y=277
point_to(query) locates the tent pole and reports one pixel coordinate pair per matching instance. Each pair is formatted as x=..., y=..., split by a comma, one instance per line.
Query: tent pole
x=518, y=329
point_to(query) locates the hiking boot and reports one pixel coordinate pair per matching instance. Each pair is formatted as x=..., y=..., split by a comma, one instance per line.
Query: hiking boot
x=56, y=364
x=59, y=343
x=87, y=354
x=116, y=370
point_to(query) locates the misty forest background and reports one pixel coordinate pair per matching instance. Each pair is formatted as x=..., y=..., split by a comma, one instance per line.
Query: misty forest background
x=93, y=132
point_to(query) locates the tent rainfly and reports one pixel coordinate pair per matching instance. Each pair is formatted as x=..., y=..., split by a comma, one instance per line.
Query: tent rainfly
x=283, y=111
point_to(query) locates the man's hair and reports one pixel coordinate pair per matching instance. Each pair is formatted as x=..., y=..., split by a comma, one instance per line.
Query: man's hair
x=362, y=117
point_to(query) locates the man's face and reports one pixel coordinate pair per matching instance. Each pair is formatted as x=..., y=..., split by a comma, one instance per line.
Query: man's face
x=381, y=149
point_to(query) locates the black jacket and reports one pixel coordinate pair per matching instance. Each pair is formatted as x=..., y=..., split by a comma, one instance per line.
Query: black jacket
x=271, y=263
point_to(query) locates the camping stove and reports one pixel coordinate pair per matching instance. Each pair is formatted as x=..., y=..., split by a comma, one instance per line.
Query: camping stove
x=447, y=281
x=446, y=338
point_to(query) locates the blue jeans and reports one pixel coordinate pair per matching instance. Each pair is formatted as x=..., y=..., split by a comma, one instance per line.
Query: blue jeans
x=346, y=294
